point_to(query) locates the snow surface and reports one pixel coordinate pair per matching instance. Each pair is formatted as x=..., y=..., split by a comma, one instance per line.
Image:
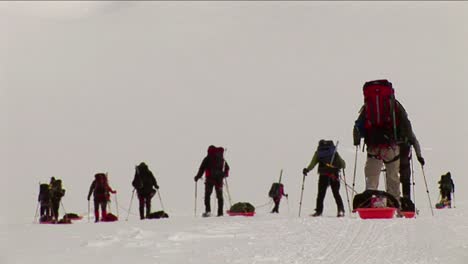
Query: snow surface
x=91, y=87
x=263, y=238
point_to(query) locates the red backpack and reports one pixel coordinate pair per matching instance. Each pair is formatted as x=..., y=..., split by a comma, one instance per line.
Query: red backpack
x=380, y=112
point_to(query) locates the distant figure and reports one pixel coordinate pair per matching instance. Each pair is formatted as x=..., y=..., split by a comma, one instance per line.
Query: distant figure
x=44, y=201
x=101, y=191
x=276, y=193
x=330, y=164
x=216, y=169
x=144, y=182
x=56, y=194
x=447, y=187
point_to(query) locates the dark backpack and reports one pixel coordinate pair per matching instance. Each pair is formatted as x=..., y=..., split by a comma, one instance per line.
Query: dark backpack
x=217, y=164
x=380, y=117
x=275, y=190
x=100, y=187
x=44, y=192
x=446, y=182
x=326, y=151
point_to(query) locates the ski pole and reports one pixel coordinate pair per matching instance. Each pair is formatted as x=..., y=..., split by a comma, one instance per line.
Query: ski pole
x=160, y=200
x=35, y=215
x=347, y=195
x=354, y=174
x=88, y=210
x=229, y=194
x=412, y=178
x=454, y=204
x=116, y=205
x=302, y=193
x=427, y=190
x=195, y=209
x=130, y=206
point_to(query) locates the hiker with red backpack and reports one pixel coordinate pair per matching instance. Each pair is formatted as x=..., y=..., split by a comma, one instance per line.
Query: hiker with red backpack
x=384, y=124
x=276, y=193
x=143, y=182
x=215, y=169
x=329, y=165
x=101, y=191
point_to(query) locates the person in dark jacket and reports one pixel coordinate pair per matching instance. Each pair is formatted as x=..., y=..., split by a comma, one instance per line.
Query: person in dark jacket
x=447, y=187
x=143, y=182
x=101, y=191
x=216, y=169
x=56, y=194
x=44, y=200
x=330, y=163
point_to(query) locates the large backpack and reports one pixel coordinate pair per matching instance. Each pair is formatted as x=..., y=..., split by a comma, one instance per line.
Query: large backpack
x=380, y=117
x=275, y=190
x=100, y=190
x=56, y=190
x=217, y=164
x=326, y=154
x=44, y=192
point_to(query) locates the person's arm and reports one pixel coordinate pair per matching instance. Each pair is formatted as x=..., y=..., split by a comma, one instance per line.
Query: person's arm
x=311, y=165
x=91, y=189
x=202, y=168
x=155, y=183
x=226, y=169
x=341, y=162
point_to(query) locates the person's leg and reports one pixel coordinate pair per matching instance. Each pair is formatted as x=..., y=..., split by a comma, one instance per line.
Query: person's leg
x=277, y=203
x=141, y=203
x=372, y=168
x=392, y=166
x=104, y=209
x=335, y=186
x=96, y=210
x=219, y=196
x=148, y=206
x=405, y=170
x=322, y=190
x=208, y=190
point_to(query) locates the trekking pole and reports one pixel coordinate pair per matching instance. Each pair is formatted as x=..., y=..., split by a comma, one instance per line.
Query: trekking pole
x=130, y=206
x=454, y=204
x=160, y=200
x=63, y=207
x=302, y=193
x=88, y=210
x=195, y=208
x=354, y=174
x=427, y=190
x=116, y=205
x=347, y=195
x=229, y=194
x=35, y=215
x=412, y=178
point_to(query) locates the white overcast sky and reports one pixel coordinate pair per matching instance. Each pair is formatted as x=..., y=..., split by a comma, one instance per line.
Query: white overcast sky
x=100, y=86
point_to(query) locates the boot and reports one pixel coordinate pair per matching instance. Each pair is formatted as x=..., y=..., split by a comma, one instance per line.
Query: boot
x=340, y=213
x=316, y=214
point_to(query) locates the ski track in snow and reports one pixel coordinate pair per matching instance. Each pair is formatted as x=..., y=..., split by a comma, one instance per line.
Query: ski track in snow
x=259, y=239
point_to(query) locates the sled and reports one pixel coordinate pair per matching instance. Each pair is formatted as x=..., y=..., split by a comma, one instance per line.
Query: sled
x=110, y=218
x=376, y=213
x=73, y=216
x=408, y=214
x=240, y=213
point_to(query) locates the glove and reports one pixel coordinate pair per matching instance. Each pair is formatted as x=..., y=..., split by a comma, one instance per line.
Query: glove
x=196, y=178
x=114, y=192
x=305, y=171
x=286, y=195
x=356, y=137
x=157, y=187
x=88, y=197
x=421, y=160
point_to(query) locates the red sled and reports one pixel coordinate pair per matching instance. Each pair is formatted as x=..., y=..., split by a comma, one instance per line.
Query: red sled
x=376, y=213
x=408, y=214
x=240, y=213
x=110, y=218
